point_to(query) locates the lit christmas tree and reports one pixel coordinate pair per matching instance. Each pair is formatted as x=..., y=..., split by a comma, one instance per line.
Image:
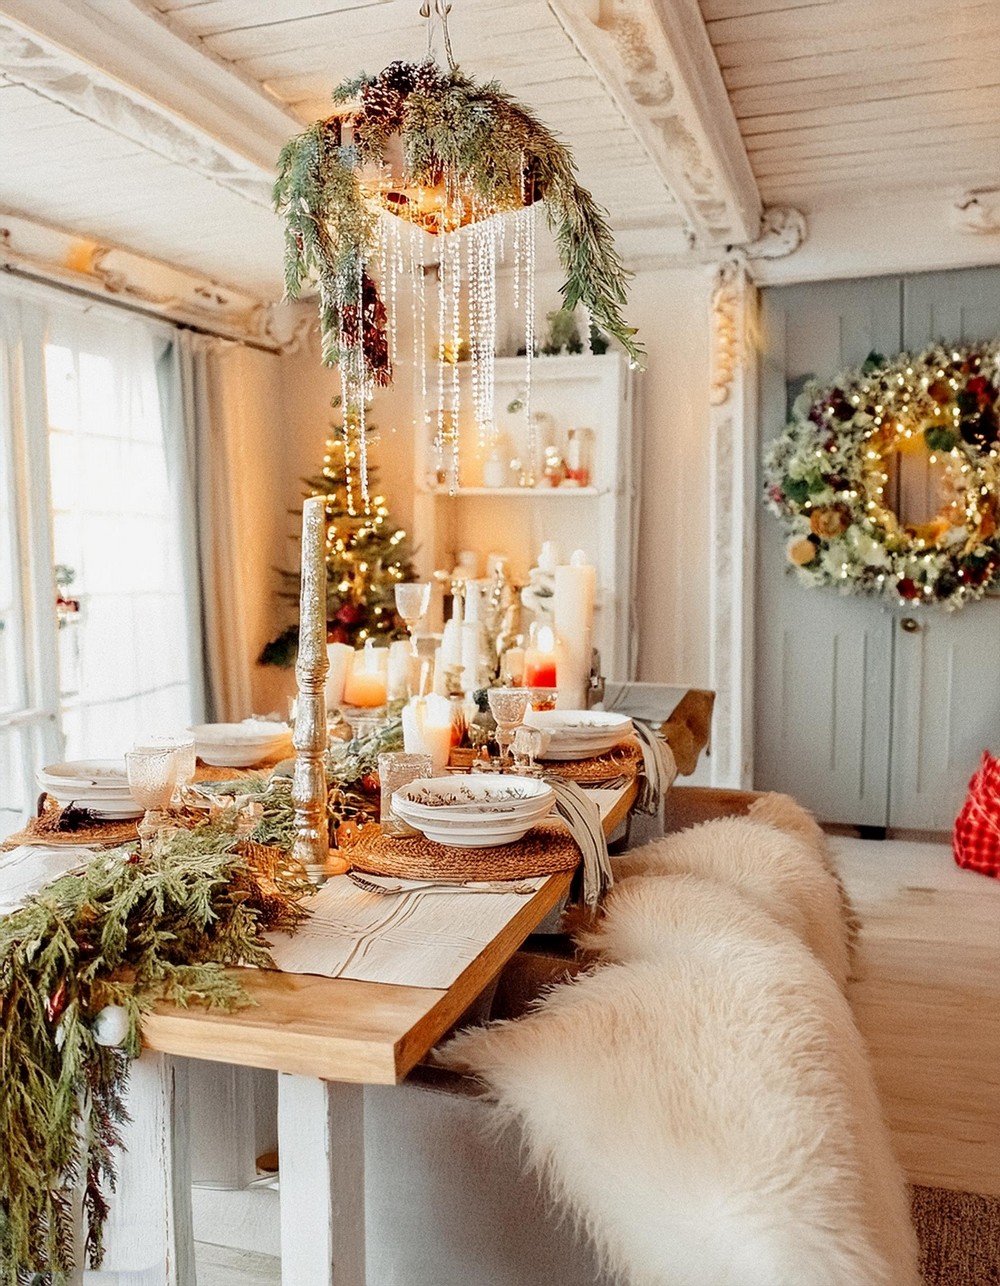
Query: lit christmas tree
x=366, y=554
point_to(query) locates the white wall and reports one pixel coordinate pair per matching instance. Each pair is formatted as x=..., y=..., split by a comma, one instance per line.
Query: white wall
x=671, y=309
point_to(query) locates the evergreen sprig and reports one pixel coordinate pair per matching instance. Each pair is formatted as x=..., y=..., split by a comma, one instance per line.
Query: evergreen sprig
x=478, y=136
x=127, y=930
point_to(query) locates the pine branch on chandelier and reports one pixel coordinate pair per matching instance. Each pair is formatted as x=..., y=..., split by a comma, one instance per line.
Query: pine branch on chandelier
x=450, y=157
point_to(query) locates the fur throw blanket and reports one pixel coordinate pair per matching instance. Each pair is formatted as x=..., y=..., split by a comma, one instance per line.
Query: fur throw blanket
x=701, y=1103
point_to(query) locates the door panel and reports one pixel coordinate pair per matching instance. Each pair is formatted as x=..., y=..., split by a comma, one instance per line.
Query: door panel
x=824, y=660
x=947, y=695
x=863, y=719
x=945, y=712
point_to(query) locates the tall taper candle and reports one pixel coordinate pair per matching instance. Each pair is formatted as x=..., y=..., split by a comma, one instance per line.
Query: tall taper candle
x=312, y=839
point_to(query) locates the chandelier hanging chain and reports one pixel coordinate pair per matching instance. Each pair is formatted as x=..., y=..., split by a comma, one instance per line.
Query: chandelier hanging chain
x=437, y=16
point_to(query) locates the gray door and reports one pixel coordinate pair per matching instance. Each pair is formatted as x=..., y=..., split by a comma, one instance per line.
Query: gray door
x=864, y=718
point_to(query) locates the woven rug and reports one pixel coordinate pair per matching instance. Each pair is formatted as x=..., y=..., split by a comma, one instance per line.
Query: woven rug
x=959, y=1235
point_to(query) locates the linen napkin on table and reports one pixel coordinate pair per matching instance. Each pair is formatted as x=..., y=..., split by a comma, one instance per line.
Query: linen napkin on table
x=658, y=767
x=583, y=817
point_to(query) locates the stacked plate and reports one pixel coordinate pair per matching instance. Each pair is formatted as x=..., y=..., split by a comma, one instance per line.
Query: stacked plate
x=475, y=811
x=239, y=745
x=579, y=734
x=99, y=785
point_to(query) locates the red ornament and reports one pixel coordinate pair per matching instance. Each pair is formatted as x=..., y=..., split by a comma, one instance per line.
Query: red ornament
x=350, y=614
x=907, y=588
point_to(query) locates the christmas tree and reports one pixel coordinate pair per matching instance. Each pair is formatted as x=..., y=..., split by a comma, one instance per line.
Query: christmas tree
x=366, y=555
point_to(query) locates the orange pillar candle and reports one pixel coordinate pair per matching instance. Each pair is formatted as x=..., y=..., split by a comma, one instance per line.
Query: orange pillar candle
x=366, y=681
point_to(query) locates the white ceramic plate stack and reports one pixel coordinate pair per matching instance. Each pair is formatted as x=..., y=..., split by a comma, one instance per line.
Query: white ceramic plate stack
x=99, y=785
x=239, y=745
x=475, y=811
x=579, y=734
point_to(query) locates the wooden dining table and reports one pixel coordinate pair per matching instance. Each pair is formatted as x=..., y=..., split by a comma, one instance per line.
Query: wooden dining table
x=328, y=1038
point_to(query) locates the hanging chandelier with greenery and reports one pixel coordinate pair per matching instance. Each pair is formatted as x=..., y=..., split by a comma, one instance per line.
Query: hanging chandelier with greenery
x=451, y=158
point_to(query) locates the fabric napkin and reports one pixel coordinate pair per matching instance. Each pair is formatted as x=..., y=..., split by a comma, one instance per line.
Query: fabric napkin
x=583, y=817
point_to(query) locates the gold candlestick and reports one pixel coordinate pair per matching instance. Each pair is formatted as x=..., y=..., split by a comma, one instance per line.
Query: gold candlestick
x=312, y=840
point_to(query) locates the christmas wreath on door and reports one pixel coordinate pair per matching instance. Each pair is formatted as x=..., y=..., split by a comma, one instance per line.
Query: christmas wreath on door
x=827, y=477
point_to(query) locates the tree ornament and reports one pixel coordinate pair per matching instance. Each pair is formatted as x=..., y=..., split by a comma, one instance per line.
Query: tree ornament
x=111, y=1026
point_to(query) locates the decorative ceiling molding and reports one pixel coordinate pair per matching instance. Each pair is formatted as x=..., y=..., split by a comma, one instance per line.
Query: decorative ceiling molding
x=31, y=61
x=976, y=211
x=782, y=230
x=133, y=47
x=160, y=290
x=656, y=62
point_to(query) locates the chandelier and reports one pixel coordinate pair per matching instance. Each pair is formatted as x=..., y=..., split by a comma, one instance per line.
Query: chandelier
x=419, y=166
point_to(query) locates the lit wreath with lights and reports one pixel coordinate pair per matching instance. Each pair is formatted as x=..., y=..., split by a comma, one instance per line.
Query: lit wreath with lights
x=826, y=477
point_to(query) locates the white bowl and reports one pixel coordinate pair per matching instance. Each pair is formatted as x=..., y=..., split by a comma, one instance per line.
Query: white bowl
x=459, y=819
x=248, y=733
x=238, y=745
x=475, y=838
x=472, y=796
x=583, y=723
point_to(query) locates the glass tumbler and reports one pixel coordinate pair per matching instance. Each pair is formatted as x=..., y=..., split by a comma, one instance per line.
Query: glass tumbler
x=398, y=768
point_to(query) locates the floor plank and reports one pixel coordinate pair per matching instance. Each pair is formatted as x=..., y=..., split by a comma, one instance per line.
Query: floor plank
x=927, y=999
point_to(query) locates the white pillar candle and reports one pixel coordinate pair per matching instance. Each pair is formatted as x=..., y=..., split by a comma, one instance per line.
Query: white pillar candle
x=398, y=671
x=427, y=728
x=573, y=612
x=340, y=656
x=548, y=559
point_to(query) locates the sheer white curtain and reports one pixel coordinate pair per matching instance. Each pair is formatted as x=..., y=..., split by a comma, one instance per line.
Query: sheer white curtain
x=96, y=491
x=118, y=507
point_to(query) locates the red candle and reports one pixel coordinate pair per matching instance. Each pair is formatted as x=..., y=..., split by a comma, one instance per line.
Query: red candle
x=540, y=661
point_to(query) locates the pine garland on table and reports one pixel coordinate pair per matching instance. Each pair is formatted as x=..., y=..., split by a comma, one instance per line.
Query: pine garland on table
x=80, y=963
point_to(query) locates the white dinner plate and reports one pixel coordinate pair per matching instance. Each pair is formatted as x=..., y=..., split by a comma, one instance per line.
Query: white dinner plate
x=107, y=775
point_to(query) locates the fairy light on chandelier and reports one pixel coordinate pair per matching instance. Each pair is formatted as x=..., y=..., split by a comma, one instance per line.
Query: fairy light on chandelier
x=457, y=161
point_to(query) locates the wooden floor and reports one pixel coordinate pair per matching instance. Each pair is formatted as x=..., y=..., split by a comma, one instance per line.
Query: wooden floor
x=927, y=998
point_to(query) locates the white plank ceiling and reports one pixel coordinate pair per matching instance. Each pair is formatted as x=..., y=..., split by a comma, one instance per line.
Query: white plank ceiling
x=850, y=99
x=836, y=101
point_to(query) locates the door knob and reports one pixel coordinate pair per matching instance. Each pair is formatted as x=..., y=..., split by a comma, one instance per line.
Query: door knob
x=909, y=625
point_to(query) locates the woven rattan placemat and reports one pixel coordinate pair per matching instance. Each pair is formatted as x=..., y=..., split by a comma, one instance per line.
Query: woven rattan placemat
x=44, y=830
x=547, y=848
x=624, y=760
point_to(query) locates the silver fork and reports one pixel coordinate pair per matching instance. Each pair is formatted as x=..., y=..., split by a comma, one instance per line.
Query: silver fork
x=442, y=886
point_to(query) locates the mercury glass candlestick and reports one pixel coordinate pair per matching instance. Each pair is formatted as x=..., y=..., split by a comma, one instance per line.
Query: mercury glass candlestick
x=309, y=788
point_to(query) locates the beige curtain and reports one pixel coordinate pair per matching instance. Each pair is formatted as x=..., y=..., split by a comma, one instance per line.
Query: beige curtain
x=228, y=402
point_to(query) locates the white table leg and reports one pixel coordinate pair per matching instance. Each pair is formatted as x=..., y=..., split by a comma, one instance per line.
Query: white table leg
x=321, y=1152
x=148, y=1238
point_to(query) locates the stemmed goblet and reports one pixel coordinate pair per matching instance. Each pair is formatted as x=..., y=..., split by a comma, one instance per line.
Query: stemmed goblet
x=508, y=707
x=152, y=776
x=412, y=601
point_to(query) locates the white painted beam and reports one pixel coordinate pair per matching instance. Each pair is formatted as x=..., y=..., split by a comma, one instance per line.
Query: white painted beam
x=151, y=65
x=657, y=64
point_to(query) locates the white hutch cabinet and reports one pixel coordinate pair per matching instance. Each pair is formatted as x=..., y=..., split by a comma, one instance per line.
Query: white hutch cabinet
x=581, y=392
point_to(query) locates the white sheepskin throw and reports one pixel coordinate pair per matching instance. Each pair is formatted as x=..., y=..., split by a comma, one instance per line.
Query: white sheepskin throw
x=704, y=1111
x=780, y=871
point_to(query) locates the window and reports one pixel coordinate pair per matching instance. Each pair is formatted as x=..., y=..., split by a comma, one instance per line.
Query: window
x=94, y=638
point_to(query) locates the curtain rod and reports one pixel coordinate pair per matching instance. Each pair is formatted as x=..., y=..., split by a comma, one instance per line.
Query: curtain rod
x=40, y=279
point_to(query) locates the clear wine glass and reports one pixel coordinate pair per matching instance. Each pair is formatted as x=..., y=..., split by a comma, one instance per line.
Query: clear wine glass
x=508, y=707
x=413, y=598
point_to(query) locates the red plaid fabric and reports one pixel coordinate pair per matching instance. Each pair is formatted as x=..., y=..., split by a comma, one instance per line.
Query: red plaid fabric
x=976, y=838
